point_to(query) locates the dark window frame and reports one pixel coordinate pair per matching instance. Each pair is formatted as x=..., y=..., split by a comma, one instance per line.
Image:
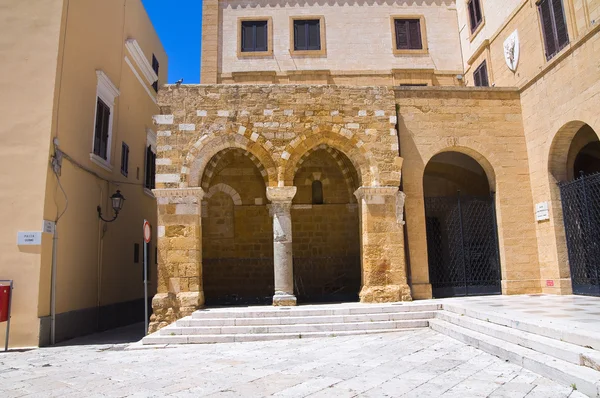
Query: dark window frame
x=254, y=25
x=155, y=68
x=412, y=29
x=302, y=27
x=555, y=31
x=150, y=168
x=317, y=192
x=475, y=14
x=481, y=76
x=124, y=159
x=102, y=129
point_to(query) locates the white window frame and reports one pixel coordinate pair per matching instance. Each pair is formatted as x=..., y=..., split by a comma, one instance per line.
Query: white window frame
x=107, y=92
x=150, y=142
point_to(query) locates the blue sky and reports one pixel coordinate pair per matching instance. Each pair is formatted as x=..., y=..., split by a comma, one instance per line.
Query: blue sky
x=178, y=24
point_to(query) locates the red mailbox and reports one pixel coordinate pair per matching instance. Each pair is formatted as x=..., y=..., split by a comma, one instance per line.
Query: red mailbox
x=4, y=302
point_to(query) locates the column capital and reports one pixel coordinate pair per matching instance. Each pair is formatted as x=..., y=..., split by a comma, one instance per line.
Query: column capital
x=374, y=195
x=179, y=195
x=281, y=194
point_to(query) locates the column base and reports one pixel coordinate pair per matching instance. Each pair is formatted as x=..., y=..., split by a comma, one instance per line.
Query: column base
x=385, y=294
x=284, y=300
x=169, y=307
x=421, y=291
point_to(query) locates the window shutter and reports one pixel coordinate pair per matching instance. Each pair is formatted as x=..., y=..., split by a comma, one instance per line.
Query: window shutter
x=472, y=15
x=547, y=28
x=402, y=35
x=484, y=75
x=261, y=36
x=559, y=22
x=247, y=44
x=314, y=35
x=414, y=30
x=98, y=128
x=299, y=36
x=104, y=136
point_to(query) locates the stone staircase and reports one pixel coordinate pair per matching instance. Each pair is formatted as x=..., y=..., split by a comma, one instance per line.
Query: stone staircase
x=220, y=325
x=567, y=355
x=559, y=351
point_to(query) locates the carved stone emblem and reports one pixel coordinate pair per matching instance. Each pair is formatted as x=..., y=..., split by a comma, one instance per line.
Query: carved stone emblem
x=511, y=51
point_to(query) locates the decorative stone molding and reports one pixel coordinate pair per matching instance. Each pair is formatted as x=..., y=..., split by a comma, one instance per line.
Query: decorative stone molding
x=400, y=199
x=140, y=60
x=375, y=195
x=176, y=195
x=281, y=194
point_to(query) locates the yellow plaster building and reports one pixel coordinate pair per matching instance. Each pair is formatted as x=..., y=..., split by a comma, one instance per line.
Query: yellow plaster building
x=381, y=152
x=79, y=80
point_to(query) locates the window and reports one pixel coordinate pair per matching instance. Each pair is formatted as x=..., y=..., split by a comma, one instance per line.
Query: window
x=155, y=67
x=408, y=34
x=150, y=175
x=101, y=132
x=554, y=27
x=150, y=160
x=255, y=36
x=481, y=75
x=307, y=35
x=136, y=253
x=124, y=159
x=106, y=92
x=317, y=193
x=475, y=14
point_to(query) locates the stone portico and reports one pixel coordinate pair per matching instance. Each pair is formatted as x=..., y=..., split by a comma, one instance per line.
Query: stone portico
x=230, y=155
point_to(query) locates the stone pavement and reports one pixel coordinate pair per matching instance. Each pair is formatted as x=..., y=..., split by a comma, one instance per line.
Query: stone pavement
x=418, y=363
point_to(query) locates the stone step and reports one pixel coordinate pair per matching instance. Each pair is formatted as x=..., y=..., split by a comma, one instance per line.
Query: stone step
x=294, y=328
x=558, y=349
x=158, y=339
x=311, y=310
x=553, y=330
x=291, y=320
x=585, y=379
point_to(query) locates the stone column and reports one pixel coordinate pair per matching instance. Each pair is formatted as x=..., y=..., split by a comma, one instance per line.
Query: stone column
x=281, y=204
x=179, y=290
x=382, y=245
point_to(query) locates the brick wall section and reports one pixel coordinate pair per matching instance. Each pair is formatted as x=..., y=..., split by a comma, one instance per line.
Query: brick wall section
x=485, y=124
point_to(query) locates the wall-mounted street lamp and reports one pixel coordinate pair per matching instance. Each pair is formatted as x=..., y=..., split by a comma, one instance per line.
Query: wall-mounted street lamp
x=117, y=204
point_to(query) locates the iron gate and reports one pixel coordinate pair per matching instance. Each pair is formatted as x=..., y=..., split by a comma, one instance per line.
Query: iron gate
x=462, y=245
x=581, y=213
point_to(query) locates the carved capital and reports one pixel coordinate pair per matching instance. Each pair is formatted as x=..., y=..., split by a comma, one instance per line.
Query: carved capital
x=179, y=195
x=281, y=194
x=375, y=195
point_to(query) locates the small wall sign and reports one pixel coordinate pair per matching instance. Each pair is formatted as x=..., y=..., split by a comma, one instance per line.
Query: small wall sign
x=32, y=238
x=542, y=211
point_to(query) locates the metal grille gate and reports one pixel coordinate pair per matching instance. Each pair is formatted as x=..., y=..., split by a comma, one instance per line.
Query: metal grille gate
x=462, y=245
x=581, y=213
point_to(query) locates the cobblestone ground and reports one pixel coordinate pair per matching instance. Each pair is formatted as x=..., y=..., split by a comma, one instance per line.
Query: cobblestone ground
x=403, y=364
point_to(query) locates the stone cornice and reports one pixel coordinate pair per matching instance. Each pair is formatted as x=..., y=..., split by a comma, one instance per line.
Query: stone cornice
x=369, y=192
x=196, y=192
x=140, y=59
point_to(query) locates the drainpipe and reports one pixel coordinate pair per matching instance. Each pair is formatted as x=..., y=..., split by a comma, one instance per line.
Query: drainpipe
x=53, y=288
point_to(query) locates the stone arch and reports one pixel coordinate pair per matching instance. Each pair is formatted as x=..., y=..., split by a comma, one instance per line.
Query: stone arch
x=227, y=189
x=205, y=149
x=359, y=157
x=561, y=147
x=485, y=164
x=211, y=168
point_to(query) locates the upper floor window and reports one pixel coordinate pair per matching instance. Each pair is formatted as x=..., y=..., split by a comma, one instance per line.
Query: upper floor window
x=408, y=34
x=155, y=67
x=106, y=92
x=475, y=14
x=317, y=192
x=480, y=76
x=255, y=36
x=307, y=34
x=124, y=159
x=554, y=26
x=150, y=157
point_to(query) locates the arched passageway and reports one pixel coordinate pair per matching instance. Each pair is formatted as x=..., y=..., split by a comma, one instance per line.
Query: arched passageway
x=237, y=243
x=580, y=199
x=462, y=243
x=326, y=246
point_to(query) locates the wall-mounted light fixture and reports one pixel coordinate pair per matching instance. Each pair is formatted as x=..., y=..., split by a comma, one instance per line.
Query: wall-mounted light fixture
x=117, y=204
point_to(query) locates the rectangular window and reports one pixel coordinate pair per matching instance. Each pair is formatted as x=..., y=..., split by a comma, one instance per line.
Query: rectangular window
x=255, y=36
x=150, y=175
x=136, y=253
x=155, y=67
x=554, y=26
x=101, y=130
x=307, y=34
x=475, y=14
x=148, y=260
x=124, y=159
x=408, y=34
x=481, y=75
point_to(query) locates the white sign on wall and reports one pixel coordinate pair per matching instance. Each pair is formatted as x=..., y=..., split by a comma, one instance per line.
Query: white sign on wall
x=512, y=51
x=542, y=212
x=30, y=238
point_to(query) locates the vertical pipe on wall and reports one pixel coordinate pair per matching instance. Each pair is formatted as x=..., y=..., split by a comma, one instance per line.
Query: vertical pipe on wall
x=53, y=287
